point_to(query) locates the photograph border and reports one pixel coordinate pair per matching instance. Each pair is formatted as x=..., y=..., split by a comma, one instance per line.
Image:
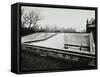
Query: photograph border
x=19, y=5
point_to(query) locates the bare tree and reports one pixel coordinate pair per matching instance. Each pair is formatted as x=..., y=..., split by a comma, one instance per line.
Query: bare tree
x=30, y=19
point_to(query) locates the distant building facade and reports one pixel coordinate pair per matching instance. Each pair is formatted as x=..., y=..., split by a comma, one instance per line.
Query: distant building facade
x=91, y=27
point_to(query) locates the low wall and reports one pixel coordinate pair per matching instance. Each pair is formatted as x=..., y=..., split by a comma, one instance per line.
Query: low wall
x=92, y=44
x=88, y=59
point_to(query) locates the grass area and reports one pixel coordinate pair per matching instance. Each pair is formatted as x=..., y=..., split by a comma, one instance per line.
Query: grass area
x=36, y=37
x=77, y=38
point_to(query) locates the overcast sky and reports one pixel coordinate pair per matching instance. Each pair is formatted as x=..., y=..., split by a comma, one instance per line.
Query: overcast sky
x=63, y=17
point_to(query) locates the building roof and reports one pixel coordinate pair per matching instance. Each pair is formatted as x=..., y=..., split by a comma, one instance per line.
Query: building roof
x=92, y=20
x=91, y=23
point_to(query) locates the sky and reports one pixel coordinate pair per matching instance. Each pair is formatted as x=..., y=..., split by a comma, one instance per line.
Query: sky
x=66, y=18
